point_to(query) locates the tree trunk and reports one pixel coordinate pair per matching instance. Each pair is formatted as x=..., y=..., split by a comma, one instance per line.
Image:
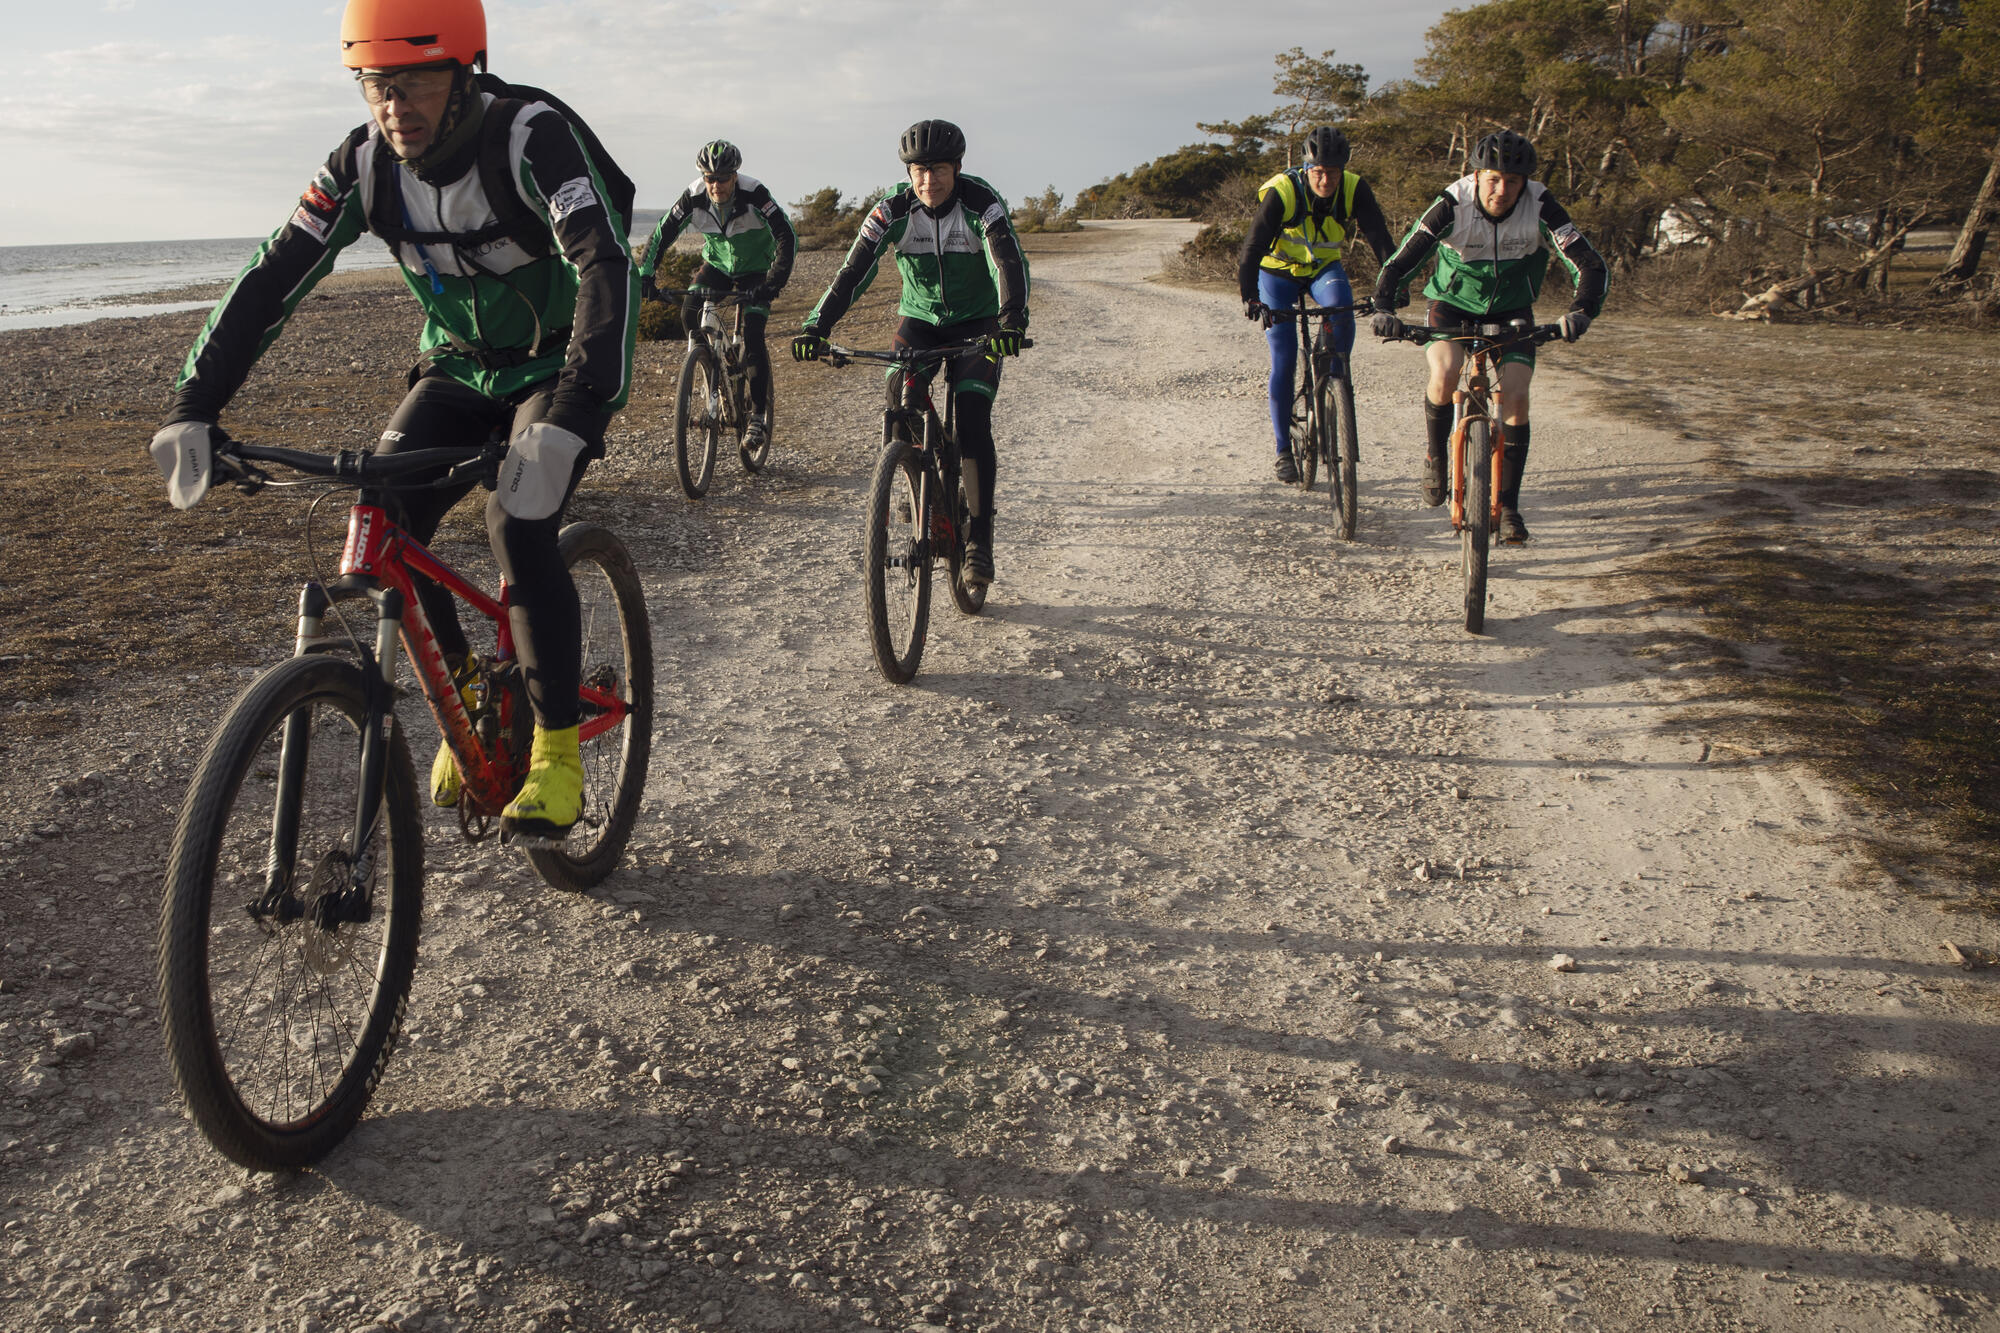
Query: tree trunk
x=1964, y=261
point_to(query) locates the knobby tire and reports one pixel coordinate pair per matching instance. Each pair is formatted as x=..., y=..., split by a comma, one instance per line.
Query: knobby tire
x=278, y=1031
x=1343, y=482
x=618, y=660
x=1477, y=538
x=754, y=459
x=969, y=598
x=896, y=579
x=698, y=398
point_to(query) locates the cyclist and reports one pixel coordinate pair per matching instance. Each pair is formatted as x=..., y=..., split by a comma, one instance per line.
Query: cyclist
x=528, y=328
x=1303, y=221
x=747, y=245
x=1492, y=231
x=939, y=222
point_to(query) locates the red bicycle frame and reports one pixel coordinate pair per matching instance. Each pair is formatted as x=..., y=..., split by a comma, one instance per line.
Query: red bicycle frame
x=378, y=554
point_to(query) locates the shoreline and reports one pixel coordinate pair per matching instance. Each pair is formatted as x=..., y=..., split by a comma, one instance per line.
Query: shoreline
x=177, y=300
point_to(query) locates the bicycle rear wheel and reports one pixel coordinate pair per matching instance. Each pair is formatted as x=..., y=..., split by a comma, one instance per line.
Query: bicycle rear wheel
x=754, y=459
x=1306, y=442
x=1343, y=483
x=897, y=573
x=617, y=662
x=698, y=420
x=1477, y=536
x=969, y=597
x=280, y=1011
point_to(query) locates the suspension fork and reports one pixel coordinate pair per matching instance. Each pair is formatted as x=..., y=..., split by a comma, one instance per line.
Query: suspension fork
x=295, y=752
x=281, y=859
x=379, y=722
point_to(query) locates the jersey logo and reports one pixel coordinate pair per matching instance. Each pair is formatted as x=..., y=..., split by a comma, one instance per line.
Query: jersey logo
x=875, y=228
x=1567, y=235
x=570, y=196
x=310, y=222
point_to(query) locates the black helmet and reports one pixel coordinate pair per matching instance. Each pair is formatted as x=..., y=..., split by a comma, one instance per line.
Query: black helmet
x=933, y=141
x=719, y=158
x=1327, y=147
x=1504, y=151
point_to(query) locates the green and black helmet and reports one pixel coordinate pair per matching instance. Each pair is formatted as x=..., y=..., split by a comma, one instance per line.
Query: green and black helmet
x=719, y=158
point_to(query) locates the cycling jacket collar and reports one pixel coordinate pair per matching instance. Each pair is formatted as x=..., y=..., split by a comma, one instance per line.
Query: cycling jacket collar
x=456, y=146
x=950, y=202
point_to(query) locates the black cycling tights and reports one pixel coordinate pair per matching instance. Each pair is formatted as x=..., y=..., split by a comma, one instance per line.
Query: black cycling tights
x=972, y=382
x=542, y=606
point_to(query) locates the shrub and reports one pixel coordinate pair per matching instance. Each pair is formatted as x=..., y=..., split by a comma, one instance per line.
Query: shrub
x=660, y=321
x=1044, y=212
x=822, y=222
x=1210, y=256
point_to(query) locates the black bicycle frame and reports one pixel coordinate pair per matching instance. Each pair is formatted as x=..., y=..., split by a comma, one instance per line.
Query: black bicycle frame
x=934, y=440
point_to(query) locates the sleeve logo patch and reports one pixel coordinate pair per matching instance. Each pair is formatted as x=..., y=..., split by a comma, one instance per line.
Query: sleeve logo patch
x=317, y=199
x=995, y=215
x=311, y=223
x=1567, y=235
x=874, y=229
x=571, y=196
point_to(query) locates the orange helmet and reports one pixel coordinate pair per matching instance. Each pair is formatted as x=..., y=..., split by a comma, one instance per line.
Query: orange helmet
x=381, y=34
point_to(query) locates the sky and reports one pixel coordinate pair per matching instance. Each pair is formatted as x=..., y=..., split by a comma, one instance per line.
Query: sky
x=125, y=120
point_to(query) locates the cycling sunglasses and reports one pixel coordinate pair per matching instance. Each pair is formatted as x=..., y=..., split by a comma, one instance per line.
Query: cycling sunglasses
x=408, y=84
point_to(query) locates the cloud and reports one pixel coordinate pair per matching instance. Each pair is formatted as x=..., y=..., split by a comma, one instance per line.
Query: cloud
x=232, y=116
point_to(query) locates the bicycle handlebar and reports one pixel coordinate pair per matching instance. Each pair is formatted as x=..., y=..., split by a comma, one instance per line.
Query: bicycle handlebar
x=353, y=467
x=837, y=355
x=1281, y=316
x=1492, y=335
x=713, y=297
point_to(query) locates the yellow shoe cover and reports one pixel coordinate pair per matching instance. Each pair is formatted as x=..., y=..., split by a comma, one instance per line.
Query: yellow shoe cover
x=444, y=778
x=551, y=799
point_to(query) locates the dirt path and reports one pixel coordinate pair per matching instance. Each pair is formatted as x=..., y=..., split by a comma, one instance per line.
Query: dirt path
x=1174, y=954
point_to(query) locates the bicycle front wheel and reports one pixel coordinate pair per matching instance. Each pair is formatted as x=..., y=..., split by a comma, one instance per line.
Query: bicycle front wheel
x=698, y=421
x=617, y=667
x=897, y=577
x=1343, y=483
x=283, y=982
x=1476, y=537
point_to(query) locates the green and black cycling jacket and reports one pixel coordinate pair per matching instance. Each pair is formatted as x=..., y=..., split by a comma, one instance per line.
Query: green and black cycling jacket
x=748, y=234
x=496, y=317
x=1486, y=263
x=960, y=262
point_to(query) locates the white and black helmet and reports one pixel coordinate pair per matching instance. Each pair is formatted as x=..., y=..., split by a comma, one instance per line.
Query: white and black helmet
x=933, y=141
x=1505, y=151
x=719, y=158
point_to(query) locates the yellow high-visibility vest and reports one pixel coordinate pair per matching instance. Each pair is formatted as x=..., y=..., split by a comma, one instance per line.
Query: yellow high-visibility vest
x=1306, y=245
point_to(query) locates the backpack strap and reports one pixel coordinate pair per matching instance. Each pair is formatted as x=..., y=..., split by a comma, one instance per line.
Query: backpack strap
x=618, y=187
x=516, y=220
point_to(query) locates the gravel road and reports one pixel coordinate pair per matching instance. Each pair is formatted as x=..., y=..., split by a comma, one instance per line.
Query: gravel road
x=1213, y=936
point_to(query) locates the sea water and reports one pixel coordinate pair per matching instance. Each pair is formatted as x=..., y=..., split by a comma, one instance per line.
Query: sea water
x=45, y=285
x=42, y=286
